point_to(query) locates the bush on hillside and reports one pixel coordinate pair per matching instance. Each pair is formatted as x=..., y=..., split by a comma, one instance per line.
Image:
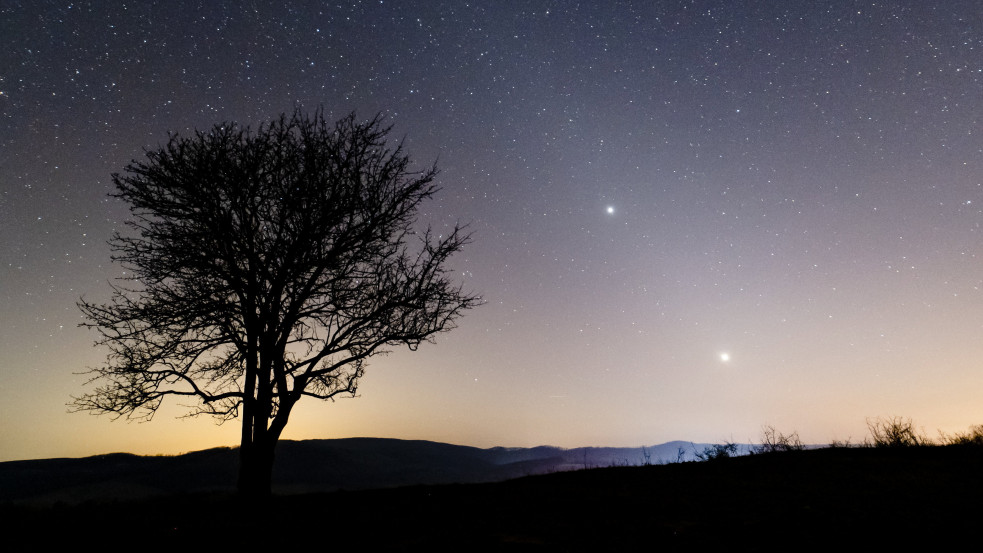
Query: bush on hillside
x=717, y=451
x=895, y=432
x=772, y=441
x=973, y=437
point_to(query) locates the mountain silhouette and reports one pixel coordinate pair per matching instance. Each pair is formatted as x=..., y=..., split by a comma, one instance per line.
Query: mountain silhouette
x=309, y=466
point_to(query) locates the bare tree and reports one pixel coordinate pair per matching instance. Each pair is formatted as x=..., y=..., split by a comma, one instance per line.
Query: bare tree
x=266, y=266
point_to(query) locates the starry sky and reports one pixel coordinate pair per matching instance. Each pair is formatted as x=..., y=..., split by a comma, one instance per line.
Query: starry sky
x=691, y=218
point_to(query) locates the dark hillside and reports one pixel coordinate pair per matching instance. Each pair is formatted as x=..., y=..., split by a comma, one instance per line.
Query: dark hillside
x=305, y=467
x=793, y=500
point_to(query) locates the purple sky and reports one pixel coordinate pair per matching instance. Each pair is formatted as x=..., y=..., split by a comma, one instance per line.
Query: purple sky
x=797, y=185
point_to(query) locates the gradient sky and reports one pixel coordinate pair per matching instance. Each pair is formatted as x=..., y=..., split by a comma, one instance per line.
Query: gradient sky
x=651, y=185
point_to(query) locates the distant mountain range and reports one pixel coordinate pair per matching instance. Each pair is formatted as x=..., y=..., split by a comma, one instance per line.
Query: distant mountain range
x=311, y=466
x=878, y=498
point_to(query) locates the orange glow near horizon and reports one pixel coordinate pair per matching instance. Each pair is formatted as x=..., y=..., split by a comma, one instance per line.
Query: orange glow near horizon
x=688, y=221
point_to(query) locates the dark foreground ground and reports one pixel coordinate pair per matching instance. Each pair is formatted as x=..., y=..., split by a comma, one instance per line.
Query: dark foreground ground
x=786, y=501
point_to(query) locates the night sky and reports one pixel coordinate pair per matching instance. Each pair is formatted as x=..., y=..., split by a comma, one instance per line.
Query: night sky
x=691, y=218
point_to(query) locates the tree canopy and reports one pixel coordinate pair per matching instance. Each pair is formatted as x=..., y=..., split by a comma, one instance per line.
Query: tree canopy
x=267, y=265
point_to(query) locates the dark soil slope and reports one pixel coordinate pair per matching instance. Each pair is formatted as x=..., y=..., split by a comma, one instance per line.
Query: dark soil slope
x=787, y=501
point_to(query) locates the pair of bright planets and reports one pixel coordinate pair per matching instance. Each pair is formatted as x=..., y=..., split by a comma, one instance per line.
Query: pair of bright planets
x=724, y=356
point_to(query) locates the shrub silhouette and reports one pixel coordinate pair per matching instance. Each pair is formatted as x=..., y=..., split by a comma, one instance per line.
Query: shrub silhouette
x=772, y=441
x=974, y=437
x=717, y=451
x=895, y=432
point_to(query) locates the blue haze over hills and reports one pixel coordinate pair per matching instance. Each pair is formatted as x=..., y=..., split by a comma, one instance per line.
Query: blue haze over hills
x=312, y=466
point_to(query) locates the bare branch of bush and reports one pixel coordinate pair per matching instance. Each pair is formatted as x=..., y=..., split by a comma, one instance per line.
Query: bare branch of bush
x=772, y=441
x=717, y=451
x=973, y=437
x=895, y=432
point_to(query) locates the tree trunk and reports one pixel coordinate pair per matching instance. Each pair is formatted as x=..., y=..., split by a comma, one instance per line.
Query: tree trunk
x=256, y=456
x=248, y=483
x=256, y=469
x=256, y=447
x=256, y=451
x=260, y=432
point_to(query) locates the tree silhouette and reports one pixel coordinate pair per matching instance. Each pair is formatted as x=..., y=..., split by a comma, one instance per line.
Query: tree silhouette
x=266, y=266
